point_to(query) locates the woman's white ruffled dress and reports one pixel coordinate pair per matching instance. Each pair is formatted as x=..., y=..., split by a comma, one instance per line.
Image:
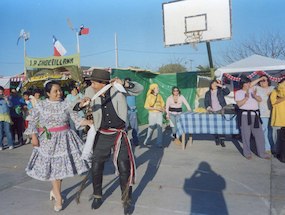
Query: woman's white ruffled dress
x=60, y=156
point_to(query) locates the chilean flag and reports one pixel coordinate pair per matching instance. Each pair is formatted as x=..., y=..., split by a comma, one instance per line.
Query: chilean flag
x=83, y=30
x=58, y=48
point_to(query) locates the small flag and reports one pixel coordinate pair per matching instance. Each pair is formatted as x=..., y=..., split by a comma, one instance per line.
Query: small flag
x=23, y=35
x=58, y=48
x=83, y=30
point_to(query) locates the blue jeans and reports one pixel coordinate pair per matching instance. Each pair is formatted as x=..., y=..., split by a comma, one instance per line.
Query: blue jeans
x=154, y=121
x=133, y=123
x=173, y=120
x=5, y=127
x=267, y=130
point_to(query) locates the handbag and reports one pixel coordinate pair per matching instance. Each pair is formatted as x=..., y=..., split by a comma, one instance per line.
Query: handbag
x=229, y=109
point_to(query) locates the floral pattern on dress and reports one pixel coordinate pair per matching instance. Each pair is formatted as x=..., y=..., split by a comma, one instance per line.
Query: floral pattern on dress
x=60, y=156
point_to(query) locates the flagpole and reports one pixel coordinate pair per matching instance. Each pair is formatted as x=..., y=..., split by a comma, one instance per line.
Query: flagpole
x=78, y=46
x=116, y=51
x=25, y=71
x=77, y=39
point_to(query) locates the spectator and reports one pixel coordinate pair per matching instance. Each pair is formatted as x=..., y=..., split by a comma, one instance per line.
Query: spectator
x=26, y=111
x=249, y=119
x=5, y=120
x=35, y=97
x=263, y=90
x=173, y=108
x=17, y=104
x=277, y=99
x=215, y=102
x=155, y=105
x=74, y=97
x=132, y=121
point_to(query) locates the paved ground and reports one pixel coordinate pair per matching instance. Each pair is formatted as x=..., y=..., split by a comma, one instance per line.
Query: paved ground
x=202, y=179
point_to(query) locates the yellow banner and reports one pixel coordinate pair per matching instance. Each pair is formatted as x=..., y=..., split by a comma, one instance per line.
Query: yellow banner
x=45, y=77
x=52, y=62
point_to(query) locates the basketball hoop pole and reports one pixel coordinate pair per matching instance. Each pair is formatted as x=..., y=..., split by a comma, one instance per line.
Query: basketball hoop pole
x=210, y=59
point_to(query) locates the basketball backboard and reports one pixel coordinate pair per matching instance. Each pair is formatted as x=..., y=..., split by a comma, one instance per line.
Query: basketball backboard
x=195, y=21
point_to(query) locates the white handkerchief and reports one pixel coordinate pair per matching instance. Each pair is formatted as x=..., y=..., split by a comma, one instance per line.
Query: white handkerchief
x=103, y=90
x=119, y=87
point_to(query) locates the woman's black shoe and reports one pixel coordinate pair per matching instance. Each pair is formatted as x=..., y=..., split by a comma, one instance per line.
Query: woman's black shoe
x=97, y=202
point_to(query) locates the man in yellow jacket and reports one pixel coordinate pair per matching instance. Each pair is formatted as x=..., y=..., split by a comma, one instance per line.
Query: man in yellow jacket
x=155, y=105
x=277, y=99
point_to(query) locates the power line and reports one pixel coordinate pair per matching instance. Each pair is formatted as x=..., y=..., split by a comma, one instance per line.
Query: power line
x=10, y=62
x=98, y=53
x=156, y=52
x=140, y=51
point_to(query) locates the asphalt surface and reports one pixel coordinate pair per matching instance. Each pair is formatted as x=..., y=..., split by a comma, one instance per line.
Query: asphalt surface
x=202, y=179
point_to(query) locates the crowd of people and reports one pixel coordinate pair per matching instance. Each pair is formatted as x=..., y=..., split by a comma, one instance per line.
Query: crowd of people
x=55, y=125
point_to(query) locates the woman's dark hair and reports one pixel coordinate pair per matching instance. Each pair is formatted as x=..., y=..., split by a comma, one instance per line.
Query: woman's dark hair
x=213, y=81
x=173, y=88
x=26, y=93
x=1, y=88
x=268, y=80
x=74, y=87
x=243, y=80
x=49, y=85
x=36, y=91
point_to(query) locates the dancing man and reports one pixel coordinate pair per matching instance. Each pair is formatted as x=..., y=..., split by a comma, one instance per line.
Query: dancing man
x=109, y=109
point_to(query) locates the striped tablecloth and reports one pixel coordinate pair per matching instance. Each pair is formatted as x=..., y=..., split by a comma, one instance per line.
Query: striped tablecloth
x=204, y=123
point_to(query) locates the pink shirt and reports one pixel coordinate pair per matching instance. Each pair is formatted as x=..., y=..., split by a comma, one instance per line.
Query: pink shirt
x=215, y=102
x=170, y=103
x=251, y=103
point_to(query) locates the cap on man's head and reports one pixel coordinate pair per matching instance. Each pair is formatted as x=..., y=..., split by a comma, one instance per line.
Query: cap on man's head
x=100, y=75
x=244, y=79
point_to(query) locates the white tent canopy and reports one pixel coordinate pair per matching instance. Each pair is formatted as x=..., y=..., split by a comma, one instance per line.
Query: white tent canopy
x=5, y=82
x=252, y=64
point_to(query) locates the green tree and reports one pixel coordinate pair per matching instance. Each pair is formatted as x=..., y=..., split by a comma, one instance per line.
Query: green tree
x=204, y=70
x=172, y=68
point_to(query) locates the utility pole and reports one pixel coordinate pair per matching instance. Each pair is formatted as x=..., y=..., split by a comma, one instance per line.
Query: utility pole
x=191, y=61
x=210, y=59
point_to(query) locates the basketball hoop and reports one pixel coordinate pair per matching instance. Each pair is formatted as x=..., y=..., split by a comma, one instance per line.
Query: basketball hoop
x=193, y=38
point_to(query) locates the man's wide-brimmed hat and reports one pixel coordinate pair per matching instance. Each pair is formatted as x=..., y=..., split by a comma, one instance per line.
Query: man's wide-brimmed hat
x=100, y=75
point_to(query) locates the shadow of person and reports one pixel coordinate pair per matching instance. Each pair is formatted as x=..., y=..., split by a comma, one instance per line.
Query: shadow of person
x=237, y=145
x=152, y=157
x=205, y=187
x=65, y=193
x=86, y=181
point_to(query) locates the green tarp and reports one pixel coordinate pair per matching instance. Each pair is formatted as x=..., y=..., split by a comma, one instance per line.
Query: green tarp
x=186, y=82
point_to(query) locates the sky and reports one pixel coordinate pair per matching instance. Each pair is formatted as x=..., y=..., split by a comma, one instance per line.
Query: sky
x=138, y=25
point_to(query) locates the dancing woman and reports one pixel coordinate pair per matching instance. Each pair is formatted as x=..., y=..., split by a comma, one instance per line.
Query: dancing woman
x=57, y=148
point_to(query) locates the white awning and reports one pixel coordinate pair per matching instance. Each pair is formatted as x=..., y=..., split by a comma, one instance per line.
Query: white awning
x=252, y=64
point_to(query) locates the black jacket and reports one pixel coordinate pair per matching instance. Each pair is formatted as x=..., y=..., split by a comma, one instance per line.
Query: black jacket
x=221, y=93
